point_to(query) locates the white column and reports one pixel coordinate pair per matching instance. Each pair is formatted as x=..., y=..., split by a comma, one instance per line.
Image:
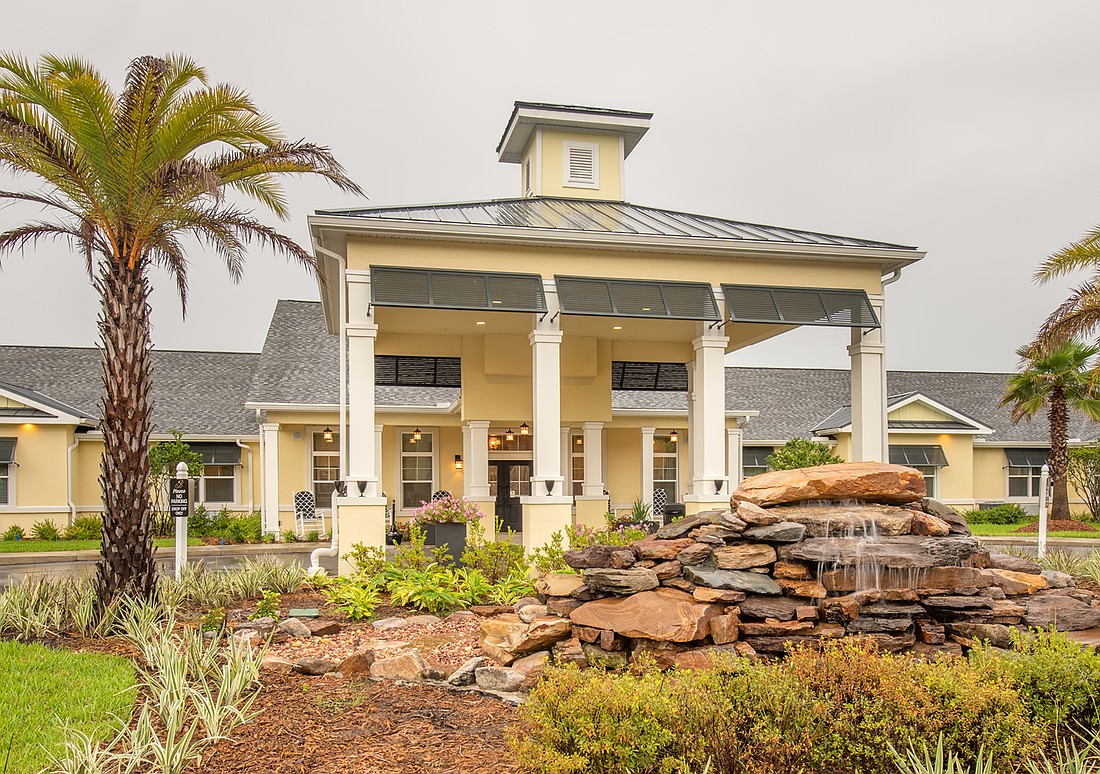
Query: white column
x=868, y=354
x=546, y=478
x=378, y=459
x=734, y=455
x=567, y=460
x=475, y=459
x=593, y=460
x=708, y=417
x=362, y=332
x=647, y=464
x=270, y=504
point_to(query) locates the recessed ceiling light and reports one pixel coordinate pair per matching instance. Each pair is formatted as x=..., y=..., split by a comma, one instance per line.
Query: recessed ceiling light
x=617, y=328
x=497, y=302
x=480, y=322
x=646, y=308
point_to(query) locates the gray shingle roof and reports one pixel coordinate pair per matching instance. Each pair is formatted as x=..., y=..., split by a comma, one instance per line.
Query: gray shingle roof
x=602, y=217
x=37, y=397
x=199, y=393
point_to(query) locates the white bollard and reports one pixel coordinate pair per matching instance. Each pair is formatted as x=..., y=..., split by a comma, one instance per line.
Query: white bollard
x=179, y=505
x=1043, y=480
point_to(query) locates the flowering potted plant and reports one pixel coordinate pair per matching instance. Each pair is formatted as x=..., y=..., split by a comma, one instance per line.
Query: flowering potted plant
x=444, y=520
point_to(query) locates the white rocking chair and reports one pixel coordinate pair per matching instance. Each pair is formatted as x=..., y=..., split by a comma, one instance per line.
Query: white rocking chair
x=306, y=516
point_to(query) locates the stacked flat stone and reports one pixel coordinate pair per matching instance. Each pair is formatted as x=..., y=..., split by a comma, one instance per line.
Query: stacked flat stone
x=799, y=557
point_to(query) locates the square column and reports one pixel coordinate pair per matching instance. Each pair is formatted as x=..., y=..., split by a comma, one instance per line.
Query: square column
x=592, y=502
x=709, y=478
x=868, y=354
x=270, y=502
x=647, y=464
x=734, y=455
x=362, y=451
x=475, y=471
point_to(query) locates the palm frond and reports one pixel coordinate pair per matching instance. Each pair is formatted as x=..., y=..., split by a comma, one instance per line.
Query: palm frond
x=1084, y=253
x=30, y=234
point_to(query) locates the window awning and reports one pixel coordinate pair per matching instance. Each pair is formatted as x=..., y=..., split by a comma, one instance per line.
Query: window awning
x=410, y=371
x=918, y=456
x=7, y=450
x=658, y=377
x=799, y=306
x=1026, y=458
x=452, y=289
x=602, y=297
x=217, y=453
x=755, y=456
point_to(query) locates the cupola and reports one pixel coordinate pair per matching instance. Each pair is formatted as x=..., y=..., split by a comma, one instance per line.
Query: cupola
x=571, y=151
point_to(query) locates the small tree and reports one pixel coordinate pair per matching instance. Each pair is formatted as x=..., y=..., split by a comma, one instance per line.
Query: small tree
x=801, y=453
x=164, y=456
x=1084, y=474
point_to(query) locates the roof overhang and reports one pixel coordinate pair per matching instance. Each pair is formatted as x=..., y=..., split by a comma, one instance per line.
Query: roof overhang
x=46, y=410
x=450, y=407
x=972, y=426
x=529, y=116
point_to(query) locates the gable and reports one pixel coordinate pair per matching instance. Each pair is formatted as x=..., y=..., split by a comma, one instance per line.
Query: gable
x=919, y=411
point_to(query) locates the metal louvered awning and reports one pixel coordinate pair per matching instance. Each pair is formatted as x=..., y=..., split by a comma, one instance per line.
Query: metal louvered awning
x=416, y=371
x=7, y=450
x=602, y=297
x=918, y=456
x=653, y=377
x=1026, y=458
x=453, y=289
x=799, y=306
x=755, y=456
x=217, y=453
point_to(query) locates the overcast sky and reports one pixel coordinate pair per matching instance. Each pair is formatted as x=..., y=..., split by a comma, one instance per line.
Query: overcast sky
x=968, y=129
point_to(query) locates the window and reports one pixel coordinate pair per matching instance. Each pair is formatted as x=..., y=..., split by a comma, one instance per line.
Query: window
x=499, y=441
x=219, y=472
x=1025, y=471
x=927, y=459
x=576, y=457
x=580, y=164
x=929, y=472
x=664, y=467
x=326, y=467
x=417, y=469
x=7, y=468
x=754, y=460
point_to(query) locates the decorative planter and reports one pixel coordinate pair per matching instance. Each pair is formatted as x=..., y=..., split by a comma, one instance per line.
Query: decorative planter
x=453, y=534
x=429, y=534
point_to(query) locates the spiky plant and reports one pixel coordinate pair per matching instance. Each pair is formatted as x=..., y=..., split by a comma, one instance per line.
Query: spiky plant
x=1056, y=379
x=127, y=178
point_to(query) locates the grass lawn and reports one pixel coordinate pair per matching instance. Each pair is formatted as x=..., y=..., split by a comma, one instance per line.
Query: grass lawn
x=45, y=691
x=36, y=546
x=1009, y=530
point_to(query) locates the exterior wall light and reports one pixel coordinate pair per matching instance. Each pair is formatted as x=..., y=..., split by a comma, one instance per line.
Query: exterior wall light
x=494, y=441
x=327, y=435
x=673, y=437
x=417, y=435
x=525, y=429
x=509, y=435
x=458, y=462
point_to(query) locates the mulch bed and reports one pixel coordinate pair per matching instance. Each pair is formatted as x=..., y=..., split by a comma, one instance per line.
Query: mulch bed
x=355, y=725
x=1059, y=525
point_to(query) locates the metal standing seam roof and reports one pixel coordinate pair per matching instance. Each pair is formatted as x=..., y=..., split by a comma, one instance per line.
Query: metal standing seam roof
x=606, y=217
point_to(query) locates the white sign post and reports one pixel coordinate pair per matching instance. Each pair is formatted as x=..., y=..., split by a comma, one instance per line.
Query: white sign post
x=179, y=506
x=1043, y=479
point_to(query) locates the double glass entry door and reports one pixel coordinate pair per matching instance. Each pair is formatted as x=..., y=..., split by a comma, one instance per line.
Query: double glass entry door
x=509, y=481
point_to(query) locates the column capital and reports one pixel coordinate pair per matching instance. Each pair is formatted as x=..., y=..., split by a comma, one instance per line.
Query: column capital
x=540, y=336
x=592, y=425
x=269, y=427
x=710, y=340
x=855, y=350
x=648, y=430
x=477, y=424
x=367, y=330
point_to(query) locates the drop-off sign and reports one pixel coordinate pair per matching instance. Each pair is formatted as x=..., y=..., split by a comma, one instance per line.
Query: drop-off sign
x=179, y=498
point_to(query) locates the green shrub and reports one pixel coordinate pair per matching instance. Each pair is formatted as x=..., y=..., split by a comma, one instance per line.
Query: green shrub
x=45, y=530
x=355, y=599
x=84, y=528
x=1058, y=680
x=802, y=453
x=551, y=557
x=244, y=529
x=369, y=561
x=495, y=559
x=581, y=536
x=1005, y=513
x=14, y=532
x=268, y=606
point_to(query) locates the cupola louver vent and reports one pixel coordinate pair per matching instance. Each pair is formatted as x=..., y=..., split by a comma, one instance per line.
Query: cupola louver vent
x=581, y=163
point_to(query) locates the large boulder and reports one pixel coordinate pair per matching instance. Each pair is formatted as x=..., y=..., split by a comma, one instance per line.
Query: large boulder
x=1065, y=613
x=660, y=549
x=903, y=552
x=666, y=615
x=629, y=581
x=558, y=584
x=744, y=556
x=617, y=557
x=953, y=518
x=506, y=638
x=876, y=482
x=848, y=520
x=735, y=580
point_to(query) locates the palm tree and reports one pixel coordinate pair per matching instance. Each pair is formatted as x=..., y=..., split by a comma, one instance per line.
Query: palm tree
x=126, y=178
x=1058, y=378
x=1079, y=315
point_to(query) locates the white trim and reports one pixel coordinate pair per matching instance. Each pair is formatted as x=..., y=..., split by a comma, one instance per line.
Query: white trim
x=538, y=162
x=567, y=178
x=57, y=416
x=9, y=503
x=34, y=509
x=622, y=168
x=399, y=495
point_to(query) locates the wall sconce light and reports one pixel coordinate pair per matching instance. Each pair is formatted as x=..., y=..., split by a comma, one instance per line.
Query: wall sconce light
x=327, y=435
x=525, y=429
x=494, y=441
x=417, y=435
x=509, y=435
x=458, y=462
x=673, y=437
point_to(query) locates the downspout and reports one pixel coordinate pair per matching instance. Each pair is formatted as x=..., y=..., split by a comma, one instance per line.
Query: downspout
x=334, y=549
x=69, y=477
x=263, y=462
x=895, y=275
x=247, y=448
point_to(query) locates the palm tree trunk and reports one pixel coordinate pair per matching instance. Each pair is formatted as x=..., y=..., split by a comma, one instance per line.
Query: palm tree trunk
x=1057, y=460
x=126, y=563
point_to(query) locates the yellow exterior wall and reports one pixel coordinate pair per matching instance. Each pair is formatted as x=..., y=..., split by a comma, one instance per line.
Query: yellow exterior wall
x=6, y=402
x=39, y=479
x=990, y=481
x=623, y=457
x=918, y=412
x=552, y=179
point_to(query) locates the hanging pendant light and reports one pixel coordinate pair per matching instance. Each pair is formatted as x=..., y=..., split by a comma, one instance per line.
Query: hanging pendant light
x=673, y=437
x=327, y=434
x=494, y=441
x=525, y=429
x=417, y=435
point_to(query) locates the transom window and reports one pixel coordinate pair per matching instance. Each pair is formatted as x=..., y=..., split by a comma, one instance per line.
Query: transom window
x=665, y=474
x=417, y=468
x=576, y=457
x=326, y=467
x=510, y=439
